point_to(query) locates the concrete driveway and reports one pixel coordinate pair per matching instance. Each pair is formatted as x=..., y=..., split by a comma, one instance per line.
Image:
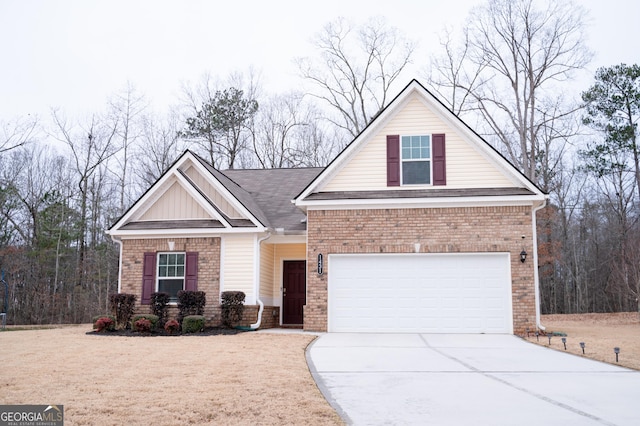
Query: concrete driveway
x=443, y=379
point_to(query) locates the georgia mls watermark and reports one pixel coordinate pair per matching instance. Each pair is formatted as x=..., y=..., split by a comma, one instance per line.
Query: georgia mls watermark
x=31, y=415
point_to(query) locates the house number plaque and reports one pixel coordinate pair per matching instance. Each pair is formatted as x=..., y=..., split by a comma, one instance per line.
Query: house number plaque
x=320, y=264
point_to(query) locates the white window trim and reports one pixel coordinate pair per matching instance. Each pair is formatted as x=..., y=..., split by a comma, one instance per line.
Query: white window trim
x=430, y=159
x=184, y=276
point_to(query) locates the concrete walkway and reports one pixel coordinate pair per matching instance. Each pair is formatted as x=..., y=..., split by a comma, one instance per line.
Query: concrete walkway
x=435, y=379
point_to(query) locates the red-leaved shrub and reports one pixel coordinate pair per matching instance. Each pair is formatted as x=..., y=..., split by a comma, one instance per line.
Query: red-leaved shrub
x=143, y=325
x=104, y=323
x=172, y=326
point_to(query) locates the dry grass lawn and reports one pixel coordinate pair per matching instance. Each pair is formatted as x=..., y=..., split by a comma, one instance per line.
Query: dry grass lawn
x=600, y=333
x=248, y=378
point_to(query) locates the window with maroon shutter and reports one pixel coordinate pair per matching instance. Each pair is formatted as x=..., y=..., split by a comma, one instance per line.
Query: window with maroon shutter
x=439, y=159
x=393, y=160
x=148, y=277
x=191, y=276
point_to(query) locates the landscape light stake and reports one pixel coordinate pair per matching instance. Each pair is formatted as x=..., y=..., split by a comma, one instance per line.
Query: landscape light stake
x=550, y=336
x=564, y=342
x=537, y=336
x=582, y=346
x=616, y=350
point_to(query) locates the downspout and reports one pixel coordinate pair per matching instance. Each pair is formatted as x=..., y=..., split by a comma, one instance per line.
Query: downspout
x=119, y=242
x=257, y=280
x=535, y=263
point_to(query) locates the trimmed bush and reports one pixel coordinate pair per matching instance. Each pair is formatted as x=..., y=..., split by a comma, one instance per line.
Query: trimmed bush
x=153, y=319
x=190, y=303
x=142, y=325
x=192, y=323
x=104, y=323
x=160, y=306
x=122, y=306
x=172, y=326
x=97, y=317
x=232, y=307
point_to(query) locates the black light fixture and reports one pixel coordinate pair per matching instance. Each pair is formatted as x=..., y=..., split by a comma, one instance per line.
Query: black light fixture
x=616, y=350
x=582, y=346
x=564, y=342
x=549, y=336
x=523, y=256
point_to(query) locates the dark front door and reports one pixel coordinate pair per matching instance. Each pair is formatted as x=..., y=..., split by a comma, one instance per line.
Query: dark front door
x=294, y=289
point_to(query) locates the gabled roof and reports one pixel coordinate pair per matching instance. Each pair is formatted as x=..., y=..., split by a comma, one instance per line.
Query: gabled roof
x=263, y=198
x=313, y=193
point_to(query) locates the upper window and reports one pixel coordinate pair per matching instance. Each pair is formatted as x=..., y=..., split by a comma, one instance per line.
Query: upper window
x=416, y=160
x=171, y=267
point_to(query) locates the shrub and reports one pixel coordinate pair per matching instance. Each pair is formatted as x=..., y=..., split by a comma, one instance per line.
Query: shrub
x=97, y=317
x=142, y=325
x=153, y=319
x=192, y=323
x=122, y=306
x=190, y=303
x=172, y=326
x=104, y=323
x=232, y=307
x=160, y=306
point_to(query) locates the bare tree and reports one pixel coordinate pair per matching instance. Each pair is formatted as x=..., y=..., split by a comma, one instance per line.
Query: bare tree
x=91, y=146
x=160, y=147
x=512, y=57
x=126, y=109
x=17, y=133
x=355, y=69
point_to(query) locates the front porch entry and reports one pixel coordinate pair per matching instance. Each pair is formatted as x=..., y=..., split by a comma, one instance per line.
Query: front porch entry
x=294, y=290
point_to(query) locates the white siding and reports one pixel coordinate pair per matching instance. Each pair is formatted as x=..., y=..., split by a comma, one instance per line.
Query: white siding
x=466, y=167
x=175, y=203
x=205, y=185
x=267, y=293
x=238, y=253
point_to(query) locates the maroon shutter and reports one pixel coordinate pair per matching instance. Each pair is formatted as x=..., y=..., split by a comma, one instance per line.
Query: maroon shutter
x=439, y=160
x=148, y=277
x=393, y=160
x=191, y=272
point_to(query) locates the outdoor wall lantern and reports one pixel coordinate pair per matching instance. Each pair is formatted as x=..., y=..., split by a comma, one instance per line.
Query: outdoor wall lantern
x=523, y=256
x=320, y=263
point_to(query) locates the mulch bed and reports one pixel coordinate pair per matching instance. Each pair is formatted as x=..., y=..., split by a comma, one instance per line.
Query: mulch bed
x=208, y=331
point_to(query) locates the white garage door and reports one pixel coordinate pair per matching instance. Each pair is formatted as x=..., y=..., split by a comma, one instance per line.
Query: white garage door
x=426, y=293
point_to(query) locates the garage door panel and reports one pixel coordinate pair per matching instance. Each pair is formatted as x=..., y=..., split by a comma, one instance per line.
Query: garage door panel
x=430, y=293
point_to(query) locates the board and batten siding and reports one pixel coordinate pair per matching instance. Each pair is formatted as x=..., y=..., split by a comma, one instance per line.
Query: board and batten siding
x=205, y=186
x=466, y=167
x=175, y=203
x=237, y=265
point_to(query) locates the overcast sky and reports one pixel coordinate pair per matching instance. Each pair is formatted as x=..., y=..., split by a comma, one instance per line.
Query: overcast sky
x=74, y=54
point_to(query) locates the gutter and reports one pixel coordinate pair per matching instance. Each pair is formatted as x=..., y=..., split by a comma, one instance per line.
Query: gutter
x=255, y=326
x=536, y=278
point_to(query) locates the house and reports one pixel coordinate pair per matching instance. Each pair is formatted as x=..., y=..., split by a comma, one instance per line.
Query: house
x=418, y=225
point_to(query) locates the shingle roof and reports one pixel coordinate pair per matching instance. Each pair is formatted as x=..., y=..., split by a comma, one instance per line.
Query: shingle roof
x=418, y=193
x=272, y=190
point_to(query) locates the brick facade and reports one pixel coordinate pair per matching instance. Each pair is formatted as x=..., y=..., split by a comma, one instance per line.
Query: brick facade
x=438, y=230
x=208, y=277
x=208, y=269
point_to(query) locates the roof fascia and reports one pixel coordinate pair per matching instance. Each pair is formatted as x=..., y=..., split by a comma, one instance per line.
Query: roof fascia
x=182, y=232
x=389, y=203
